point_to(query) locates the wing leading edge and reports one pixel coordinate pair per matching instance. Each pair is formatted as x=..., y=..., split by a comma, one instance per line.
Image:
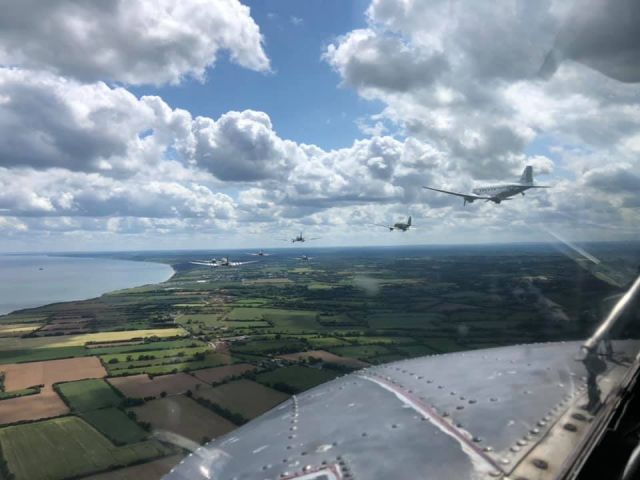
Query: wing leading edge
x=466, y=196
x=479, y=414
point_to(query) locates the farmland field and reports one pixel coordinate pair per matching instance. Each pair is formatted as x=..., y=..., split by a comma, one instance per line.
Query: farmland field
x=25, y=375
x=17, y=329
x=147, y=471
x=115, y=425
x=141, y=386
x=184, y=416
x=67, y=447
x=46, y=404
x=81, y=340
x=170, y=365
x=218, y=374
x=292, y=326
x=325, y=357
x=86, y=395
x=243, y=397
x=366, y=353
x=295, y=378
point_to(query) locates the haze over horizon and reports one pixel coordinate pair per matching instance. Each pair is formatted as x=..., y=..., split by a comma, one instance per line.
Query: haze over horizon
x=236, y=124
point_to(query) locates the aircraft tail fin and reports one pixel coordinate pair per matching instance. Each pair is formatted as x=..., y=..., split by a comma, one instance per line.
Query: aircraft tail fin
x=527, y=176
x=409, y=221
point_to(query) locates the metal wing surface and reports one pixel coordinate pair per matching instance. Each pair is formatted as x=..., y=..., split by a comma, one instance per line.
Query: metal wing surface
x=390, y=227
x=479, y=414
x=461, y=195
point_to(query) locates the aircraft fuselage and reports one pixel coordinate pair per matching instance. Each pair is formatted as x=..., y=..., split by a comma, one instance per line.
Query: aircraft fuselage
x=500, y=192
x=401, y=226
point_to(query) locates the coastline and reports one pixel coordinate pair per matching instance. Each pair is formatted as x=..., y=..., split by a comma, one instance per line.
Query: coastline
x=90, y=292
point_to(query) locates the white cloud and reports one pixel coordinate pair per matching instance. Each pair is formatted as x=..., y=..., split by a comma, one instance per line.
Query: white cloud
x=462, y=99
x=129, y=41
x=242, y=146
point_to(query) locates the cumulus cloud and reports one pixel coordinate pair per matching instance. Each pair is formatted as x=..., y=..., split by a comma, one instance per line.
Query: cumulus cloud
x=464, y=76
x=242, y=146
x=129, y=41
x=465, y=97
x=58, y=192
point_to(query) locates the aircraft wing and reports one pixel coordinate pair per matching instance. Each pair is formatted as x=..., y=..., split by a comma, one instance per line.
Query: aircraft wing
x=237, y=264
x=514, y=411
x=466, y=196
x=383, y=225
x=207, y=264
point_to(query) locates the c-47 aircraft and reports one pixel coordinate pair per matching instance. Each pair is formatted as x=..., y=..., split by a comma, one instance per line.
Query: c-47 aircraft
x=260, y=253
x=300, y=238
x=304, y=258
x=223, y=262
x=402, y=226
x=497, y=193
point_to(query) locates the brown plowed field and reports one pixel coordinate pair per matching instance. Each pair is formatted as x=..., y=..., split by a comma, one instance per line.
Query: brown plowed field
x=218, y=374
x=46, y=404
x=326, y=357
x=141, y=386
x=23, y=375
x=183, y=416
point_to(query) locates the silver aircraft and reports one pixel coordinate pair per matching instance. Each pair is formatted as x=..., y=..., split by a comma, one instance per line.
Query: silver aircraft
x=497, y=193
x=300, y=238
x=402, y=226
x=304, y=258
x=222, y=262
x=260, y=253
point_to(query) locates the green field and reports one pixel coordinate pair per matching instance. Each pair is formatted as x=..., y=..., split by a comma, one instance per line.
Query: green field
x=404, y=321
x=291, y=320
x=86, y=395
x=295, y=379
x=115, y=425
x=168, y=365
x=244, y=397
x=213, y=321
x=19, y=393
x=322, y=342
x=82, y=339
x=40, y=354
x=131, y=357
x=365, y=352
x=143, y=347
x=67, y=447
x=261, y=347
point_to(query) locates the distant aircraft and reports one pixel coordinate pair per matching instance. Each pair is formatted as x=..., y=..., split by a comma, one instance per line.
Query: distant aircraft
x=260, y=254
x=300, y=238
x=223, y=262
x=403, y=227
x=497, y=193
x=304, y=258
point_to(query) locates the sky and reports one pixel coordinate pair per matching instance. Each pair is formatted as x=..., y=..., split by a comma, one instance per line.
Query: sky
x=151, y=124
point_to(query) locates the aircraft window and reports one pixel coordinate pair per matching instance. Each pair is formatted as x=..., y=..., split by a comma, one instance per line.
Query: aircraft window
x=319, y=239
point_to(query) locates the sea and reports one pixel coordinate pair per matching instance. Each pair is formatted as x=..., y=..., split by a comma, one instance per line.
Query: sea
x=28, y=281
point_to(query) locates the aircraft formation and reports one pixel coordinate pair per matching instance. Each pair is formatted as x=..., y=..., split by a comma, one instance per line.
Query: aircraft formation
x=491, y=193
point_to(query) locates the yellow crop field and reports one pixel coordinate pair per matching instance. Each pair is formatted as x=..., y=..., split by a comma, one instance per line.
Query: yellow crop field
x=82, y=339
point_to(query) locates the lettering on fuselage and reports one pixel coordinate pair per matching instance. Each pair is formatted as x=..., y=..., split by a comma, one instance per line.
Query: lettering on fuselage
x=498, y=191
